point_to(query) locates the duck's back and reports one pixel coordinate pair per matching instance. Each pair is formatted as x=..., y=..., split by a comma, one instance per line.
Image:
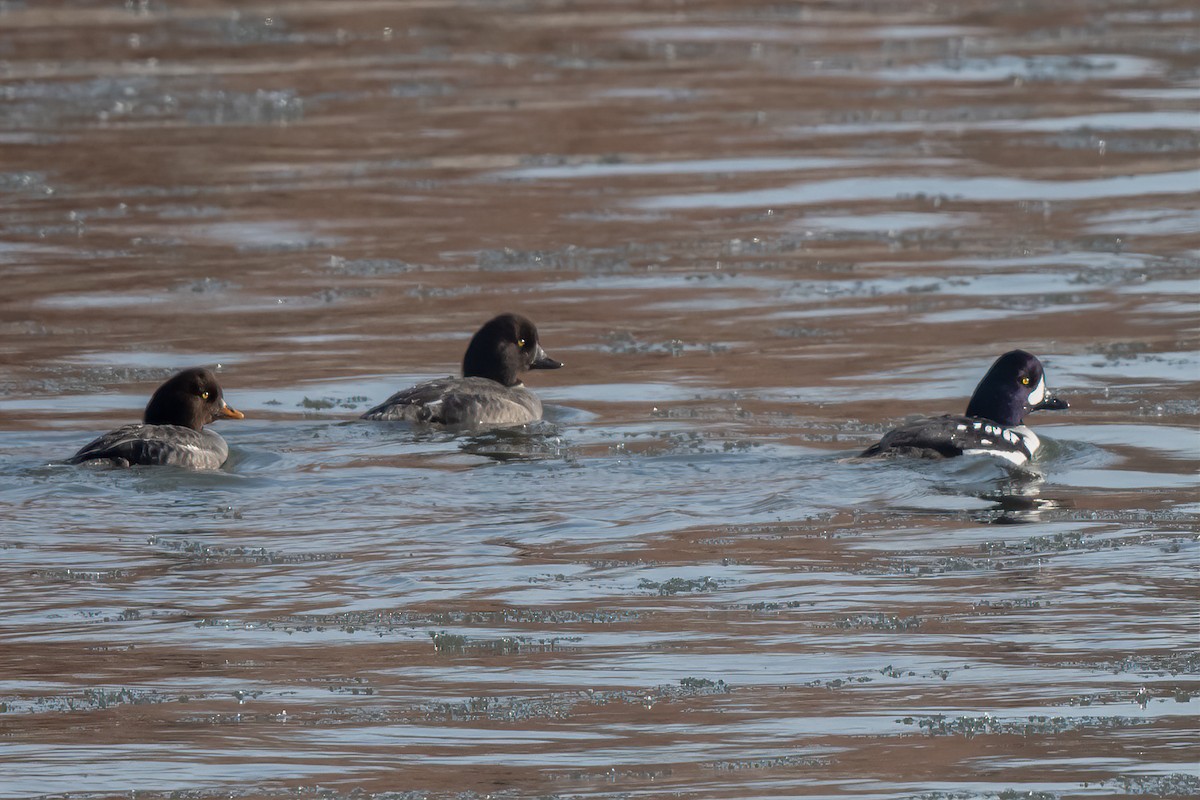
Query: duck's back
x=954, y=435
x=156, y=444
x=465, y=402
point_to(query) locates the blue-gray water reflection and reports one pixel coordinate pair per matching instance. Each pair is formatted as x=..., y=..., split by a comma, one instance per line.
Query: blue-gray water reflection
x=759, y=236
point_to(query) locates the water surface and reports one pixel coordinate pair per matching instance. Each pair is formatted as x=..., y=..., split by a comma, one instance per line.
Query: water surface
x=759, y=235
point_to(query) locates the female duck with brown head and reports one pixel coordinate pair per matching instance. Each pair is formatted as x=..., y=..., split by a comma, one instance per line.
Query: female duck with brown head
x=490, y=392
x=172, y=429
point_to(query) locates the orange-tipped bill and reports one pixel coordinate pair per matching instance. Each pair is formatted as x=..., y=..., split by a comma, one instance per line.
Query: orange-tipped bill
x=229, y=413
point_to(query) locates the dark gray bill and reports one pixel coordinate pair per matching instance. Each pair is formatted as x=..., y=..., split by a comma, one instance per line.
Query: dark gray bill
x=543, y=361
x=1050, y=404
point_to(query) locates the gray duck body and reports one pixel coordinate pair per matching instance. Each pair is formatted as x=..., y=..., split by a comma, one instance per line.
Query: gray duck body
x=461, y=402
x=490, y=393
x=156, y=444
x=172, y=428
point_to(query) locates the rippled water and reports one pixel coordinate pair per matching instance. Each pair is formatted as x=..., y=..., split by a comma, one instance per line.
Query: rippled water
x=759, y=235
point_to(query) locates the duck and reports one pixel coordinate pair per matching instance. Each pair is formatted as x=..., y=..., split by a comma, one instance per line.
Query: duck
x=490, y=392
x=172, y=429
x=994, y=423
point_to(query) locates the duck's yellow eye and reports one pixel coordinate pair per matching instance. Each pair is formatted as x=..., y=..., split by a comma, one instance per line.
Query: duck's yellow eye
x=204, y=395
x=520, y=342
x=1025, y=381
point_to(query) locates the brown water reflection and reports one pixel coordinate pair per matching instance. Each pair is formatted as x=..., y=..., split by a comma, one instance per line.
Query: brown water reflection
x=758, y=234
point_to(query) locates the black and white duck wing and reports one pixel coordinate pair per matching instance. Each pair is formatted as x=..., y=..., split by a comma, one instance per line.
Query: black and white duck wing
x=933, y=437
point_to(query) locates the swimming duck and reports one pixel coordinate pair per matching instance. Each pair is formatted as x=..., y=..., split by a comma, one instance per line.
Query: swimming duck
x=490, y=392
x=172, y=429
x=994, y=423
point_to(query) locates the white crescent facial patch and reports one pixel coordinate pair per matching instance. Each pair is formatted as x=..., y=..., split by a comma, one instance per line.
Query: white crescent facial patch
x=1039, y=392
